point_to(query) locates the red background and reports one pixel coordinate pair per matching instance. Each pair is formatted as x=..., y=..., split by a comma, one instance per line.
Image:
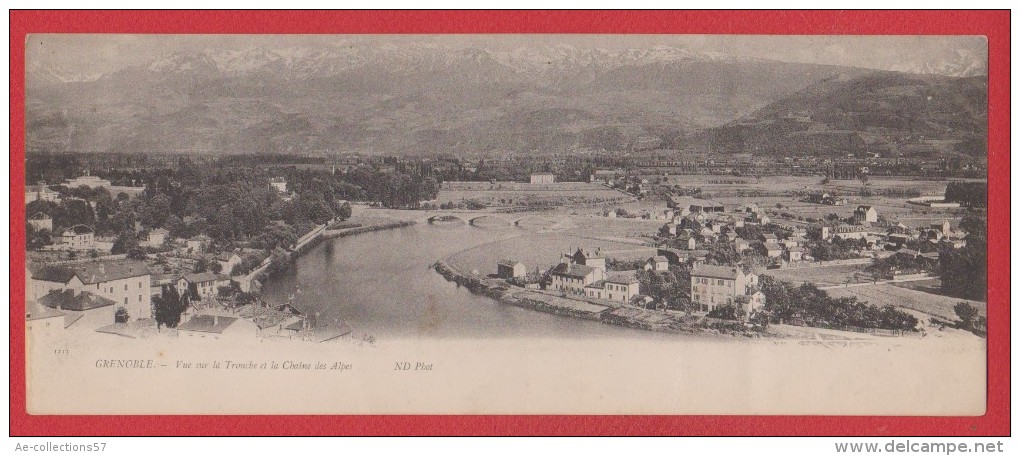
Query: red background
x=993, y=24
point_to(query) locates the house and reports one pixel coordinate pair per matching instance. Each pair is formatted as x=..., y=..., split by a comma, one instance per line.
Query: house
x=78, y=237
x=845, y=231
x=587, y=258
x=105, y=243
x=945, y=228
x=41, y=221
x=227, y=261
x=510, y=269
x=543, y=178
x=769, y=237
x=795, y=254
x=124, y=282
x=199, y=285
x=156, y=237
x=615, y=287
x=40, y=192
x=899, y=239
x=83, y=309
x=198, y=243
x=217, y=327
x=772, y=249
x=865, y=214
x=657, y=263
x=87, y=181
x=750, y=303
x=572, y=278
x=758, y=218
x=319, y=332
x=825, y=232
x=694, y=204
x=954, y=243
x=279, y=184
x=42, y=322
x=713, y=286
x=741, y=244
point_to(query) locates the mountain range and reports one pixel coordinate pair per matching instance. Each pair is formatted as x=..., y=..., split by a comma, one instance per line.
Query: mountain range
x=425, y=99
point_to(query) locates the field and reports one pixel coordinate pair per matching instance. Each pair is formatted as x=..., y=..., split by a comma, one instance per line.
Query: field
x=821, y=276
x=728, y=185
x=521, y=194
x=931, y=304
x=538, y=250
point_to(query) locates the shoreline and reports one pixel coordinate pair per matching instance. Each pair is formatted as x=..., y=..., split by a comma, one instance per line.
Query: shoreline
x=506, y=294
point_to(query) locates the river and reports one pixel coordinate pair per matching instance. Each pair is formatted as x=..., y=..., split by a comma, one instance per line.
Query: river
x=381, y=284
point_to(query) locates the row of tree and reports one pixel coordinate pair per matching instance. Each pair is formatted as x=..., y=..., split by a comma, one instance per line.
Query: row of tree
x=786, y=302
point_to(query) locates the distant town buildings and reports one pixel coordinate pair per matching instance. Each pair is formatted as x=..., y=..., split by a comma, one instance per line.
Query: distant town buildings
x=657, y=263
x=41, y=221
x=88, y=181
x=156, y=237
x=865, y=214
x=227, y=261
x=198, y=244
x=40, y=193
x=543, y=178
x=279, y=184
x=78, y=237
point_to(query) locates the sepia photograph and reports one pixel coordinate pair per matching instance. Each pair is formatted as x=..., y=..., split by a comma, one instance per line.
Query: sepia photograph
x=611, y=224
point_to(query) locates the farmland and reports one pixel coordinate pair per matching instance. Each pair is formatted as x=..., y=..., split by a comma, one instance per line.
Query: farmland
x=887, y=294
x=821, y=276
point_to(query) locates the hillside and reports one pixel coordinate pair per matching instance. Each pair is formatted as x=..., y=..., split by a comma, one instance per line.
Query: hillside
x=406, y=100
x=892, y=114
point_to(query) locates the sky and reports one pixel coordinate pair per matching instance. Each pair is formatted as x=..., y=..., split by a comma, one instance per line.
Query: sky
x=88, y=54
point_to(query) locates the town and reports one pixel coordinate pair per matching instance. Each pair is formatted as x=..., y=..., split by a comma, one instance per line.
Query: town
x=153, y=246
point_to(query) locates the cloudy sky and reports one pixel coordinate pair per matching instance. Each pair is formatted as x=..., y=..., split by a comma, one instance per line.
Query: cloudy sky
x=86, y=54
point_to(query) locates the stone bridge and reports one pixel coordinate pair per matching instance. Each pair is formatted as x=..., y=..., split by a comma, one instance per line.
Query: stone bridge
x=477, y=219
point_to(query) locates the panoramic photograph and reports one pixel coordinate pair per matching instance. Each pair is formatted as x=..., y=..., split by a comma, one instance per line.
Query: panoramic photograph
x=619, y=224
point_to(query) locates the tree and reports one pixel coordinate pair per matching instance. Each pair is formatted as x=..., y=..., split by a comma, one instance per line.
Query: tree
x=967, y=314
x=125, y=243
x=345, y=211
x=201, y=265
x=169, y=306
x=121, y=316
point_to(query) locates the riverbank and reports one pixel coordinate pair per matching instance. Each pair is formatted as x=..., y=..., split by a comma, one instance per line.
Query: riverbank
x=603, y=312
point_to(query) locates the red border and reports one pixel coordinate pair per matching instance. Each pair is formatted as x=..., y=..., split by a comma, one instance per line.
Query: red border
x=993, y=24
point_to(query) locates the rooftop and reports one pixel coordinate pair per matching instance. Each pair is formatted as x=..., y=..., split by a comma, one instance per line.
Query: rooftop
x=207, y=324
x=578, y=271
x=199, y=277
x=77, y=229
x=92, y=272
x=625, y=278
x=716, y=272
x=35, y=311
x=72, y=300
